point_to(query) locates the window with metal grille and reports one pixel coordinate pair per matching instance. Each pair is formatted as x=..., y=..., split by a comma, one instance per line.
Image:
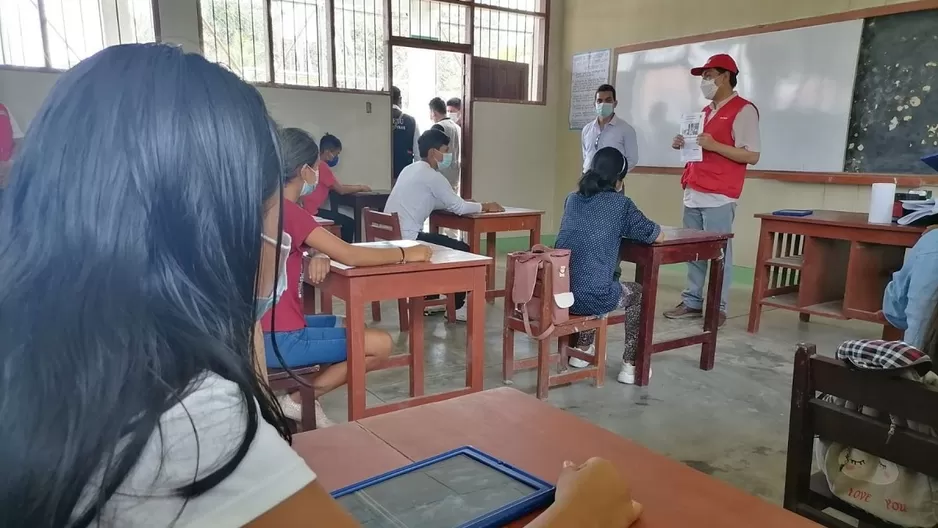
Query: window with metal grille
x=59, y=33
x=298, y=49
x=510, y=43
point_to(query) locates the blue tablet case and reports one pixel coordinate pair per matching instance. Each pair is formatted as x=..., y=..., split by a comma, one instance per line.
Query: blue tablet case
x=417, y=502
x=931, y=161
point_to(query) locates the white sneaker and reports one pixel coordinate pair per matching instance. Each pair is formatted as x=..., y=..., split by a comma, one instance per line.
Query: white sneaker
x=291, y=409
x=627, y=374
x=579, y=363
x=322, y=421
x=462, y=315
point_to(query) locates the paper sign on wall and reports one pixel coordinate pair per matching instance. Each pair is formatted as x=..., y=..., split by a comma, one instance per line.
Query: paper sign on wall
x=590, y=70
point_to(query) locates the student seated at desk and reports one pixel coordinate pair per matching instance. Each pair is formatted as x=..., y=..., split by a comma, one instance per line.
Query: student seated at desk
x=595, y=220
x=304, y=340
x=128, y=386
x=422, y=189
x=329, y=149
x=910, y=296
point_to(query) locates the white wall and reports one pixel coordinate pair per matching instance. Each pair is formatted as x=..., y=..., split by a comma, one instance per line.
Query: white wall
x=512, y=154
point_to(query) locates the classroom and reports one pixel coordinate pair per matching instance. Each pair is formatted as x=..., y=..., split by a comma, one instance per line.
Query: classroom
x=232, y=295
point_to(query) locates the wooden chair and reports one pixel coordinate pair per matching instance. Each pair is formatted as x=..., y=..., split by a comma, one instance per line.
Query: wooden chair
x=387, y=226
x=281, y=380
x=809, y=495
x=563, y=332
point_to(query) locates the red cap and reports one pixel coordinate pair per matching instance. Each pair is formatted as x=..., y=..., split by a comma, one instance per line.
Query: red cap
x=722, y=60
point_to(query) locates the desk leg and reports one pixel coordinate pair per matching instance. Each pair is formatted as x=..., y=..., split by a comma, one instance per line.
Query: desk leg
x=535, y=237
x=646, y=329
x=490, y=269
x=434, y=226
x=475, y=242
x=763, y=254
x=355, y=332
x=358, y=223
x=416, y=346
x=475, y=330
x=712, y=313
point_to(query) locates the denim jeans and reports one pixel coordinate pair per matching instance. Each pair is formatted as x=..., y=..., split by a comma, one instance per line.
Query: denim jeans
x=718, y=220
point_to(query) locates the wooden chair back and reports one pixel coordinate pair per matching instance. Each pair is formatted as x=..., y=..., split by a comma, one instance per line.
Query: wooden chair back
x=288, y=381
x=811, y=416
x=381, y=226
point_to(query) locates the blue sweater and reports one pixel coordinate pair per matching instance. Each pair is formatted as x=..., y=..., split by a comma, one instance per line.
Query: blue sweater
x=592, y=229
x=910, y=297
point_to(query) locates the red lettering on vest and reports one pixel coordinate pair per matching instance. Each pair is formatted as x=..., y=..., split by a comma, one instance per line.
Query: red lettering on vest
x=718, y=174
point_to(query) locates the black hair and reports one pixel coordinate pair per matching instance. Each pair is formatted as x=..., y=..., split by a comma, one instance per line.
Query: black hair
x=733, y=76
x=114, y=303
x=455, y=102
x=607, y=169
x=329, y=142
x=298, y=149
x=395, y=95
x=438, y=106
x=607, y=88
x=431, y=139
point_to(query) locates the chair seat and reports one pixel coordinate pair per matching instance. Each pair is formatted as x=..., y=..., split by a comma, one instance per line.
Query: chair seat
x=576, y=323
x=280, y=374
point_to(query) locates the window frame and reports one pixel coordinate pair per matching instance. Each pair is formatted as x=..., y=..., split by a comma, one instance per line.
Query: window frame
x=44, y=32
x=471, y=5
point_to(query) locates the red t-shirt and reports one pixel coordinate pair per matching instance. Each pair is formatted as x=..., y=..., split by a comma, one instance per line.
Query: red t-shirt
x=314, y=200
x=299, y=224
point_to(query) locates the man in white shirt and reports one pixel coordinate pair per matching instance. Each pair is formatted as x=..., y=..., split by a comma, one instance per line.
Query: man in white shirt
x=421, y=189
x=731, y=142
x=439, y=116
x=608, y=130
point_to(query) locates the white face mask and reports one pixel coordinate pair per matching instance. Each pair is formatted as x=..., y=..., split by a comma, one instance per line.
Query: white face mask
x=263, y=304
x=708, y=87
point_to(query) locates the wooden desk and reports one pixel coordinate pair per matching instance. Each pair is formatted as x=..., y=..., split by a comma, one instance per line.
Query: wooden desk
x=329, y=226
x=374, y=199
x=448, y=271
x=512, y=219
x=831, y=263
x=680, y=245
x=536, y=438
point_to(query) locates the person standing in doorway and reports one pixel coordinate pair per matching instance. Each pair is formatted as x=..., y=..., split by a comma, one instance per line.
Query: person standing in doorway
x=608, y=130
x=439, y=116
x=730, y=143
x=454, y=109
x=405, y=132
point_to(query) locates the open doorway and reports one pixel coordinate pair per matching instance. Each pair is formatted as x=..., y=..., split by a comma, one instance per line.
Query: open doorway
x=422, y=74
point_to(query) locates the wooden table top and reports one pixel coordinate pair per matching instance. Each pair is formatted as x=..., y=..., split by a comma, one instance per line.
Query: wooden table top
x=373, y=192
x=443, y=258
x=507, y=213
x=537, y=438
x=323, y=222
x=841, y=219
x=682, y=235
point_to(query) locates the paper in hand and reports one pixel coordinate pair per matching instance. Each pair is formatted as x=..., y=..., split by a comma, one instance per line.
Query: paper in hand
x=691, y=127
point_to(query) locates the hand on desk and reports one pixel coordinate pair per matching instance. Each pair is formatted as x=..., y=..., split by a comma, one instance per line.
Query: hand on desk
x=593, y=492
x=318, y=268
x=364, y=188
x=492, y=207
x=418, y=253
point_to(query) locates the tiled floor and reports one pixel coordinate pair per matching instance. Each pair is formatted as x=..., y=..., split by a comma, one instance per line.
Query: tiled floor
x=730, y=422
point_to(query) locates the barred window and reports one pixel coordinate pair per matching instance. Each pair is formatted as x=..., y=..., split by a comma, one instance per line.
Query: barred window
x=514, y=42
x=59, y=33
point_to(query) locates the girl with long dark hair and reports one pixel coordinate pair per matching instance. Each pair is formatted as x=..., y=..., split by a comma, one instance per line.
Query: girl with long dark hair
x=129, y=295
x=595, y=220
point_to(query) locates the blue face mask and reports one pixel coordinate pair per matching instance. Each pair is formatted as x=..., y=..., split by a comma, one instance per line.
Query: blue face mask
x=447, y=160
x=307, y=189
x=604, y=109
x=263, y=304
x=333, y=162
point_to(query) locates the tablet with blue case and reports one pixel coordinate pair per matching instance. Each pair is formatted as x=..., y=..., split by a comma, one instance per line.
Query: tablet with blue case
x=462, y=488
x=931, y=161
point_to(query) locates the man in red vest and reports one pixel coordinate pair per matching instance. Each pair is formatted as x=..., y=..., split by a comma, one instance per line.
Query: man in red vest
x=730, y=143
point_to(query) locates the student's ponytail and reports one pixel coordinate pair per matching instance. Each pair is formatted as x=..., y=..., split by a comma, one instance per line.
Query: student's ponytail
x=608, y=167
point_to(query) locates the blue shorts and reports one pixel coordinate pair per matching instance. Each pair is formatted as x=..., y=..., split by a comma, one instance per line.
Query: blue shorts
x=321, y=342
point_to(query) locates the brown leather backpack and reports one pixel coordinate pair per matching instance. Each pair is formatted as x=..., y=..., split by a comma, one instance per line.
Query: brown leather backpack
x=530, y=268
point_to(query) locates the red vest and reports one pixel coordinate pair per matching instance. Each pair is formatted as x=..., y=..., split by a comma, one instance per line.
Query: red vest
x=717, y=174
x=6, y=135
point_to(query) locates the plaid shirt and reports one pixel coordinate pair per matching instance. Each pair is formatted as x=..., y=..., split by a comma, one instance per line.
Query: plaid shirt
x=876, y=354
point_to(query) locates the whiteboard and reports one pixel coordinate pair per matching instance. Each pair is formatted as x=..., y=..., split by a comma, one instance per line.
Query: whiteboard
x=801, y=80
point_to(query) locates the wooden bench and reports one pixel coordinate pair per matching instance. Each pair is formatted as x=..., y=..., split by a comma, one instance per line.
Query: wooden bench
x=811, y=416
x=564, y=333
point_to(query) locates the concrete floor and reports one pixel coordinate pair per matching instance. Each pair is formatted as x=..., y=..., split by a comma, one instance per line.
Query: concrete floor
x=731, y=422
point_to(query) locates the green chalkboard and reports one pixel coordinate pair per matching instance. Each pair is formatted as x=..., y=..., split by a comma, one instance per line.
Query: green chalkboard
x=894, y=119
